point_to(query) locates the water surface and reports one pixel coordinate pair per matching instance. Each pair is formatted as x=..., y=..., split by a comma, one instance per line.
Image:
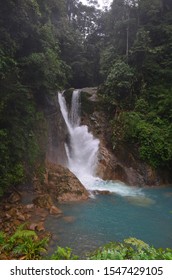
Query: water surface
x=127, y=211
x=146, y=215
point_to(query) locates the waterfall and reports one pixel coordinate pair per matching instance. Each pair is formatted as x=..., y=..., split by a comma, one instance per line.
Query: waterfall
x=83, y=148
x=82, y=151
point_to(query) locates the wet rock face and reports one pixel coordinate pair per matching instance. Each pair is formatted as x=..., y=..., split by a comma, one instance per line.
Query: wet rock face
x=57, y=133
x=109, y=168
x=126, y=169
x=63, y=184
x=123, y=163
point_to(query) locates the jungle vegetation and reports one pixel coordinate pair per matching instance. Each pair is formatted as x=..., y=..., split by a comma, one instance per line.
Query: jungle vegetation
x=126, y=50
x=25, y=244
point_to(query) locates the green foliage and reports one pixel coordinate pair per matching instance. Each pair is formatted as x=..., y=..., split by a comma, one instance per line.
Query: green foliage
x=141, y=106
x=151, y=134
x=131, y=249
x=23, y=244
x=63, y=254
x=44, y=71
x=30, y=68
x=136, y=65
x=48, y=45
x=119, y=81
x=42, y=50
x=19, y=148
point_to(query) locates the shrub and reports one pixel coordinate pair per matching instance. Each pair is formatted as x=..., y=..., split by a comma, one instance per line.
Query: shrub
x=151, y=135
x=131, y=249
x=63, y=254
x=23, y=244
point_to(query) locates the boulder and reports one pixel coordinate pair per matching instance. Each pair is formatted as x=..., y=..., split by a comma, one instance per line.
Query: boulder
x=29, y=206
x=63, y=185
x=14, y=197
x=43, y=201
x=32, y=226
x=104, y=192
x=69, y=219
x=20, y=217
x=55, y=211
x=16, y=223
x=7, y=216
x=40, y=226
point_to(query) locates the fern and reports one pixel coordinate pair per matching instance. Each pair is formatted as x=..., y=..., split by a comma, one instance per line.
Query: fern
x=20, y=249
x=63, y=254
x=24, y=234
x=23, y=244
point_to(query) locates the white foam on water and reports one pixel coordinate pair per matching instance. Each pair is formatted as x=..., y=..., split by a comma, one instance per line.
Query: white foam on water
x=82, y=152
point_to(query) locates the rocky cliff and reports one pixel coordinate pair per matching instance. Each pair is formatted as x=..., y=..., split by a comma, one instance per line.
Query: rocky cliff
x=58, y=181
x=57, y=133
x=121, y=163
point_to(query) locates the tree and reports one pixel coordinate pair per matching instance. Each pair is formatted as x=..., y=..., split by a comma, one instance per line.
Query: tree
x=119, y=81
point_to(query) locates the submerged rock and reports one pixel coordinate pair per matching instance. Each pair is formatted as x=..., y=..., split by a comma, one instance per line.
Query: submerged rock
x=55, y=211
x=101, y=192
x=69, y=219
x=140, y=200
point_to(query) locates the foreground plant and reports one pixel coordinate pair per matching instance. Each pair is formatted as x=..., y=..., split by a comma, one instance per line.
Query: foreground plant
x=23, y=244
x=131, y=249
x=63, y=254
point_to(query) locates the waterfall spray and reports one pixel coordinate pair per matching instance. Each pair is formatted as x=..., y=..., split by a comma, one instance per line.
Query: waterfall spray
x=82, y=151
x=83, y=148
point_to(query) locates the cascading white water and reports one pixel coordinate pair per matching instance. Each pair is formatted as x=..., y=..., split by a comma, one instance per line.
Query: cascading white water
x=83, y=147
x=82, y=151
x=75, y=118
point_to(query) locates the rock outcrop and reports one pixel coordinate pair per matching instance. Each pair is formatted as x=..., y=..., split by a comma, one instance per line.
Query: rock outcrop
x=57, y=133
x=128, y=170
x=123, y=162
x=63, y=185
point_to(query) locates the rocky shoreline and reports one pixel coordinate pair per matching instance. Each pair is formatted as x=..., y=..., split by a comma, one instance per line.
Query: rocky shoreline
x=32, y=204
